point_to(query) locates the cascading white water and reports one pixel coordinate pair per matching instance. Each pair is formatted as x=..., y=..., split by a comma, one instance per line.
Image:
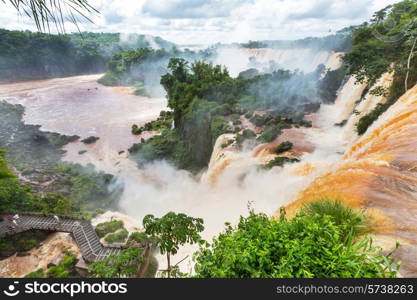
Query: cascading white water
x=303, y=59
x=369, y=102
x=232, y=180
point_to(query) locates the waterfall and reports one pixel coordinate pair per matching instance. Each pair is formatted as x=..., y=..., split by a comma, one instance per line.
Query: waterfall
x=378, y=173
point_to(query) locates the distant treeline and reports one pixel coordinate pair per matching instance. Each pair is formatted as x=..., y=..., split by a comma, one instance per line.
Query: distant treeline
x=27, y=55
x=142, y=68
x=341, y=41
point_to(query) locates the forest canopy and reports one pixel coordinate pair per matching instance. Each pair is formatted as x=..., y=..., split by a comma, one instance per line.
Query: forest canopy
x=30, y=55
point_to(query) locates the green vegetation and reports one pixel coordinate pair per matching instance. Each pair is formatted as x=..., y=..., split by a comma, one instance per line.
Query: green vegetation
x=108, y=227
x=167, y=146
x=46, y=14
x=205, y=101
x=248, y=134
x=21, y=242
x=117, y=237
x=139, y=89
x=36, y=274
x=351, y=222
x=164, y=121
x=130, y=68
x=125, y=264
x=172, y=231
x=367, y=120
x=391, y=49
x=338, y=42
x=284, y=147
x=87, y=188
x=330, y=84
x=65, y=269
x=28, y=55
x=278, y=162
x=136, y=130
x=140, y=237
x=269, y=134
x=323, y=241
x=36, y=156
x=17, y=198
x=258, y=120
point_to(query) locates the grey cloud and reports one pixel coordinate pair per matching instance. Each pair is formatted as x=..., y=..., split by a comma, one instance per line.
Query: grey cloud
x=326, y=9
x=191, y=9
x=113, y=17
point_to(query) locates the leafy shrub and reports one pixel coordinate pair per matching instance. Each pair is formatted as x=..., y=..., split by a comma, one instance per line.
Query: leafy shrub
x=218, y=126
x=278, y=162
x=248, y=134
x=36, y=274
x=108, y=227
x=65, y=269
x=117, y=237
x=330, y=83
x=109, y=79
x=139, y=237
x=167, y=146
x=305, y=246
x=258, y=120
x=249, y=114
x=139, y=89
x=269, y=134
x=284, y=147
x=136, y=130
x=125, y=264
x=350, y=221
x=227, y=144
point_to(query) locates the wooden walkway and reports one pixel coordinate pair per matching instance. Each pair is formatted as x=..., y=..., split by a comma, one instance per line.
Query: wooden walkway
x=82, y=231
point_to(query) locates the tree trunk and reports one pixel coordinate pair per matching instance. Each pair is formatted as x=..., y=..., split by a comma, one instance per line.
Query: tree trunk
x=408, y=65
x=169, y=266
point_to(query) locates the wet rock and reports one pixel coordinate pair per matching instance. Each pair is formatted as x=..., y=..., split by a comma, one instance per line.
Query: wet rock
x=90, y=140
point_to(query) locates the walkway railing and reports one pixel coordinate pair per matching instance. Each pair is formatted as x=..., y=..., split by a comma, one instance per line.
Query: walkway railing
x=81, y=229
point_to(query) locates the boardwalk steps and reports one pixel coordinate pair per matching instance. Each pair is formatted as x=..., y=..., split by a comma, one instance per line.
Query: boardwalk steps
x=81, y=230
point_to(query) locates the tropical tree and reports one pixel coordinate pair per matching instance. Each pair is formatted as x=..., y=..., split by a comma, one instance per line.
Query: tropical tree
x=172, y=231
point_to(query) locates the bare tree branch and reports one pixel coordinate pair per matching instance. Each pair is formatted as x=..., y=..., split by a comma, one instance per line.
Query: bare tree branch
x=409, y=63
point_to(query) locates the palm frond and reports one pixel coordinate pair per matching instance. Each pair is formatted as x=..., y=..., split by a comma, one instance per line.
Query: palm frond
x=56, y=12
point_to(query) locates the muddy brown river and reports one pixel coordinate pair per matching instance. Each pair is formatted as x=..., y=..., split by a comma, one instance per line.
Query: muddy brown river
x=80, y=106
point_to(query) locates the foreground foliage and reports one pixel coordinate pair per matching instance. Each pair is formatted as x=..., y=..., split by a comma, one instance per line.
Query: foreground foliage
x=125, y=264
x=317, y=242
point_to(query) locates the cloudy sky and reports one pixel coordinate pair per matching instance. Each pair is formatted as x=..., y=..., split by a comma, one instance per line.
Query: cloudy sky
x=211, y=21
